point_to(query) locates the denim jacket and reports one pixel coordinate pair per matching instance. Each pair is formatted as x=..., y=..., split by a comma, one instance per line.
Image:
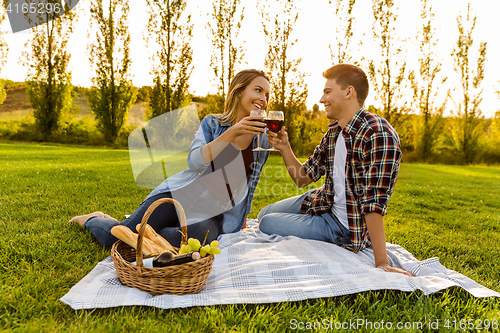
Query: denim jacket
x=210, y=129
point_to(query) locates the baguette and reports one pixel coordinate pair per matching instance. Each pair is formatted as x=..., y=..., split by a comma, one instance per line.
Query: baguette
x=126, y=235
x=158, y=240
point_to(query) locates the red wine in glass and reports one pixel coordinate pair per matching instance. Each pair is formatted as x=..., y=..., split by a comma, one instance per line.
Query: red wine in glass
x=261, y=113
x=274, y=122
x=274, y=125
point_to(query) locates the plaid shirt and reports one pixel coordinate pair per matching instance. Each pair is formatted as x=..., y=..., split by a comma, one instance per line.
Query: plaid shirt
x=372, y=165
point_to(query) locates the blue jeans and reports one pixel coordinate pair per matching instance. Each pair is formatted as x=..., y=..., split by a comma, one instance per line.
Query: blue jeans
x=163, y=220
x=284, y=218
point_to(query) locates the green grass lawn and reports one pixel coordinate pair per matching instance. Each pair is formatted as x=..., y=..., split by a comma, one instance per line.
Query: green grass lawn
x=451, y=212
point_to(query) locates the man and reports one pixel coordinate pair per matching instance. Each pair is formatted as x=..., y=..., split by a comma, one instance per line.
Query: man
x=360, y=155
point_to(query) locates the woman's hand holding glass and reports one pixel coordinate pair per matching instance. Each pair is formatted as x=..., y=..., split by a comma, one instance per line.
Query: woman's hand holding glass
x=248, y=125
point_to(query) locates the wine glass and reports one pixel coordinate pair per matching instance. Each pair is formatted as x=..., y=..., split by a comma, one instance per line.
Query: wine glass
x=274, y=122
x=260, y=113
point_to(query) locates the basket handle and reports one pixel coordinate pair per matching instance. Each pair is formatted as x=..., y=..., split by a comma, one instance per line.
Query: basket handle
x=145, y=219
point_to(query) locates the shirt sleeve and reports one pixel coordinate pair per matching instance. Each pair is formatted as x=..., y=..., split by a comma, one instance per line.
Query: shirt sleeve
x=315, y=166
x=381, y=166
x=201, y=138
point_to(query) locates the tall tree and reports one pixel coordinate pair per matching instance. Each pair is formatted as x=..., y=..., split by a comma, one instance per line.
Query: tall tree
x=48, y=79
x=169, y=41
x=466, y=126
x=494, y=136
x=289, y=90
x=112, y=94
x=340, y=52
x=4, y=50
x=388, y=76
x=227, y=54
x=427, y=127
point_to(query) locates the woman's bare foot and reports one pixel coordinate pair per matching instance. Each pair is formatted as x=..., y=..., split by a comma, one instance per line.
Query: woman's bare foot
x=81, y=219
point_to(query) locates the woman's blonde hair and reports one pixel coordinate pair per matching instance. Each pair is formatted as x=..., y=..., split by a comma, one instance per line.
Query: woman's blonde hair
x=239, y=82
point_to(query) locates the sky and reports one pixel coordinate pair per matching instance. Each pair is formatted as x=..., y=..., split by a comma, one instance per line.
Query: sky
x=314, y=32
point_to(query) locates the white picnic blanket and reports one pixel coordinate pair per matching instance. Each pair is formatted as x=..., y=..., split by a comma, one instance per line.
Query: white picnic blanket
x=257, y=268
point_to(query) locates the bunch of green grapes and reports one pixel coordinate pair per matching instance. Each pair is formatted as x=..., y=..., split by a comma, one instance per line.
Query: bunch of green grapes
x=195, y=245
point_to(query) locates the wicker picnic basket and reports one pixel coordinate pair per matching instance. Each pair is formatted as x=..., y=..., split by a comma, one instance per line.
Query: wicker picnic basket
x=187, y=278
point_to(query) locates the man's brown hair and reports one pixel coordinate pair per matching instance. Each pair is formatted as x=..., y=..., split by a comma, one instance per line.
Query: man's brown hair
x=349, y=75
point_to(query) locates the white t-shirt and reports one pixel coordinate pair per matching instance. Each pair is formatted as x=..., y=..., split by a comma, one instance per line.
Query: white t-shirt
x=339, y=201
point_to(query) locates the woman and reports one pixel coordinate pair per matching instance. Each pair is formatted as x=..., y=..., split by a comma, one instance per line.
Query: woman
x=210, y=152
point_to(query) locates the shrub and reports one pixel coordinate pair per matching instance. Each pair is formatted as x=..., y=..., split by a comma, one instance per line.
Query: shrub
x=144, y=94
x=214, y=105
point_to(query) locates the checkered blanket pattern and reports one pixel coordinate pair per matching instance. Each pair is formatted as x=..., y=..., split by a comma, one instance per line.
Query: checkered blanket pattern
x=257, y=268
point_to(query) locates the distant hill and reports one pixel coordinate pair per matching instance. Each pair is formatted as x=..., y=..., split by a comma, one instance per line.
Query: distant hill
x=17, y=106
x=16, y=99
